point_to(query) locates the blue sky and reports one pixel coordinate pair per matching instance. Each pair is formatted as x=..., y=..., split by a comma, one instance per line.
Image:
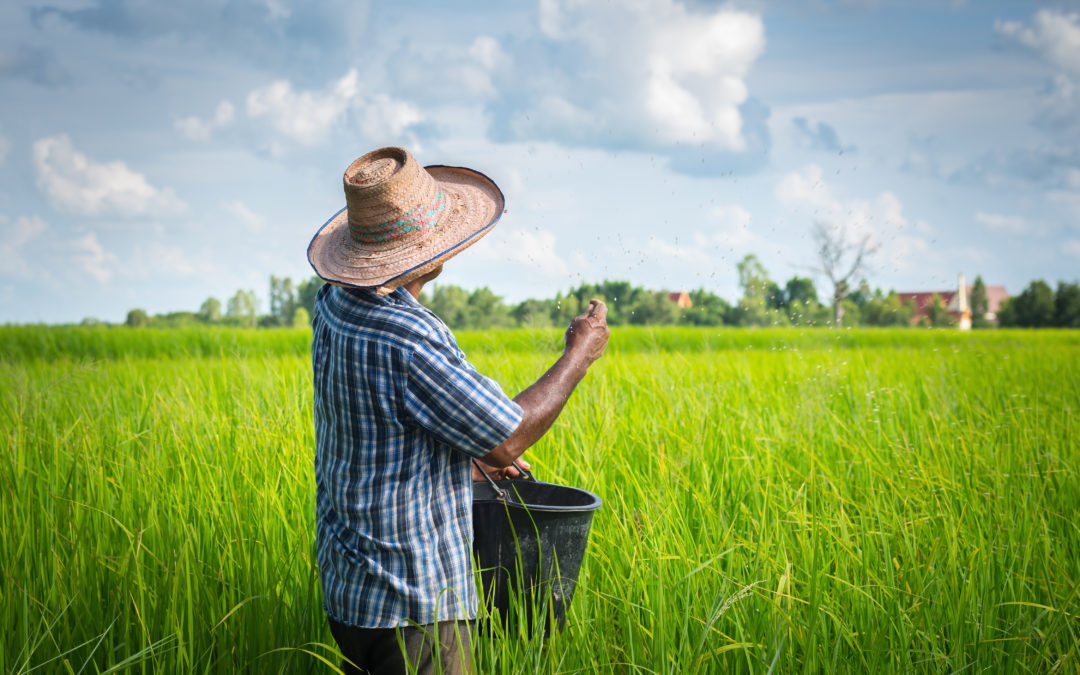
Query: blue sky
x=153, y=154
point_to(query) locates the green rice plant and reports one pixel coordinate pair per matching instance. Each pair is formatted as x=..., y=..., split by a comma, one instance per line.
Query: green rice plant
x=775, y=500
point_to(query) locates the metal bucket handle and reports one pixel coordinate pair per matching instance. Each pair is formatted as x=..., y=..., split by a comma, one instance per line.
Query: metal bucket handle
x=498, y=490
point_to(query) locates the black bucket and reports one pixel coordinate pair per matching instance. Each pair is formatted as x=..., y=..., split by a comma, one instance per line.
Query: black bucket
x=529, y=542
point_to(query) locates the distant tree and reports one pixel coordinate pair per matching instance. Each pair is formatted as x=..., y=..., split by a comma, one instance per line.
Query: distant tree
x=852, y=312
x=873, y=309
x=210, y=311
x=753, y=278
x=282, y=300
x=1006, y=314
x=774, y=296
x=450, y=303
x=306, y=292
x=887, y=310
x=708, y=309
x=841, y=260
x=801, y=302
x=937, y=314
x=533, y=313
x=92, y=321
x=565, y=307
x=137, y=317
x=761, y=298
x=179, y=319
x=654, y=308
x=811, y=313
x=619, y=296
x=486, y=310
x=1067, y=305
x=980, y=304
x=243, y=308
x=800, y=289
x=861, y=294
x=1033, y=308
x=622, y=299
x=301, y=319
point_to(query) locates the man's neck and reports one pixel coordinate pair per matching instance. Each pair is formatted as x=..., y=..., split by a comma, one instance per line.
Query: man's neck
x=414, y=287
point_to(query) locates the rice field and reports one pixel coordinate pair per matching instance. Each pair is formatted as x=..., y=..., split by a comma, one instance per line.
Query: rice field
x=774, y=501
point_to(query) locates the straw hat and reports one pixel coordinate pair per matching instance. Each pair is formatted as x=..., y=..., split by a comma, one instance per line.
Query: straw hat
x=402, y=220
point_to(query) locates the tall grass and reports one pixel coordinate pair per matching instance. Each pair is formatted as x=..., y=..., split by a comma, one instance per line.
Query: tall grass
x=775, y=500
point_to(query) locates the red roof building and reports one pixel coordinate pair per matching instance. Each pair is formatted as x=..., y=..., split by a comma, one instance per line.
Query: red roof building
x=682, y=299
x=956, y=303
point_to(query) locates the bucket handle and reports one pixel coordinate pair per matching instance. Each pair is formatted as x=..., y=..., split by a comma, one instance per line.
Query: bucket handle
x=498, y=490
x=524, y=471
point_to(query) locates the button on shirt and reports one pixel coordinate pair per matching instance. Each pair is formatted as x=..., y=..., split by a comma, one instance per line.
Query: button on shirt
x=399, y=412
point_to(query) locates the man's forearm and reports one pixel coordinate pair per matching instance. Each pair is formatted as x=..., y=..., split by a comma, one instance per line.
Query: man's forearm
x=586, y=337
x=541, y=403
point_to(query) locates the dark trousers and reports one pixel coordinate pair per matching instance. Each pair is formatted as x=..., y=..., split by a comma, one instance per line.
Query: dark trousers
x=431, y=649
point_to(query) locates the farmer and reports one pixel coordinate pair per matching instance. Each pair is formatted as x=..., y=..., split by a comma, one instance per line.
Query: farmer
x=400, y=412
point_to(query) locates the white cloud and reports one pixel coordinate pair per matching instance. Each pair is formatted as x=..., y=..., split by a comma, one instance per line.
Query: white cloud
x=196, y=129
x=1068, y=201
x=386, y=118
x=533, y=250
x=555, y=115
x=307, y=117
x=77, y=184
x=1054, y=35
x=303, y=116
x=901, y=241
x=653, y=71
x=277, y=9
x=551, y=18
x=680, y=261
x=973, y=254
x=152, y=260
x=806, y=188
x=733, y=229
x=474, y=76
x=15, y=236
x=1009, y=224
x=486, y=51
x=1071, y=248
x=240, y=211
x=93, y=258
x=691, y=259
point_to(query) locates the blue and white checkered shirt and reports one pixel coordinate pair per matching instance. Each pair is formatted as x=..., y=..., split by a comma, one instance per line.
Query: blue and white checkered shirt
x=399, y=412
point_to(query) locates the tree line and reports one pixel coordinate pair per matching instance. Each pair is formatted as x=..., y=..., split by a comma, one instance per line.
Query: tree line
x=1039, y=306
x=291, y=305
x=763, y=302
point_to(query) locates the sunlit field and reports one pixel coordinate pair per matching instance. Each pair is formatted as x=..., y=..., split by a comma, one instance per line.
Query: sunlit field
x=774, y=501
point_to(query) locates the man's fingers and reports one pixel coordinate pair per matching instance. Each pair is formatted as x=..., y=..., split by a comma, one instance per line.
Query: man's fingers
x=597, y=309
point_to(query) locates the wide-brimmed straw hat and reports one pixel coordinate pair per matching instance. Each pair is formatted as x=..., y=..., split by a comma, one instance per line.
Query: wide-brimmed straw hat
x=402, y=220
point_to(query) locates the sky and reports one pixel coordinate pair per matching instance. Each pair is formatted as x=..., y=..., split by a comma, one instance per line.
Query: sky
x=155, y=154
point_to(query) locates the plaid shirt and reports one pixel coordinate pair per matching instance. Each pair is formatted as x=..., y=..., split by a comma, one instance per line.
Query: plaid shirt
x=399, y=412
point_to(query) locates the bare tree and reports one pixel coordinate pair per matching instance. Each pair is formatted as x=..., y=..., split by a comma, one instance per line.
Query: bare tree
x=841, y=259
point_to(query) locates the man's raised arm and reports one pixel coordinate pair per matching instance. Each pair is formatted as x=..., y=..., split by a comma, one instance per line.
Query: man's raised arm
x=542, y=402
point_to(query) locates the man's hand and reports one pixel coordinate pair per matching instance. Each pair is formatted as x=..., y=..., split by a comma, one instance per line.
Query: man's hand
x=541, y=403
x=587, y=335
x=496, y=473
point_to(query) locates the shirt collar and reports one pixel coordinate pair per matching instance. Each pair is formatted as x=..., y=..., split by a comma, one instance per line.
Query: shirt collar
x=399, y=296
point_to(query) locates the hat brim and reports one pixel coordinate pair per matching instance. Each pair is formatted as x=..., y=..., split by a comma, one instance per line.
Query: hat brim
x=476, y=204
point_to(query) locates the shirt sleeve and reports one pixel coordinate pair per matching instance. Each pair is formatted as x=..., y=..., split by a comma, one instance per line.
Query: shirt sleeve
x=456, y=404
